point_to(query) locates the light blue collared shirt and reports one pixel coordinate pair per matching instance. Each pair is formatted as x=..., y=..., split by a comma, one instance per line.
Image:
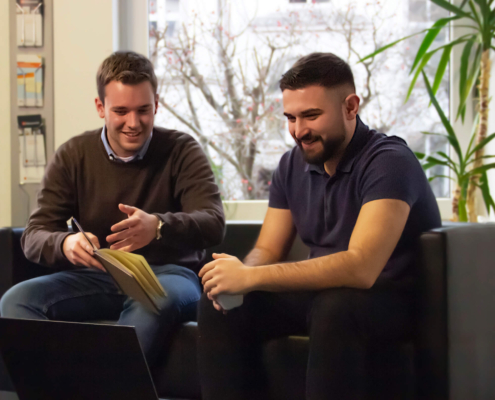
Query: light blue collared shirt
x=114, y=157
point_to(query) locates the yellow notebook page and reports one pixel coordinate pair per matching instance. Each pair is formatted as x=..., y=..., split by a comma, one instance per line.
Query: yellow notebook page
x=153, y=280
x=120, y=257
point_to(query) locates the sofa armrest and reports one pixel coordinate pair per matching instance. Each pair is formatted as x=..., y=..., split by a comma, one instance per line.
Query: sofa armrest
x=6, y=261
x=456, y=305
x=471, y=310
x=14, y=266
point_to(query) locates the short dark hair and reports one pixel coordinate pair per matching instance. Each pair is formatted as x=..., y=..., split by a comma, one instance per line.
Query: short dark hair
x=127, y=67
x=319, y=69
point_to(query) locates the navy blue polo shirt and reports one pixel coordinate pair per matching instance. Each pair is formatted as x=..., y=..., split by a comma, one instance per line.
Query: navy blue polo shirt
x=325, y=208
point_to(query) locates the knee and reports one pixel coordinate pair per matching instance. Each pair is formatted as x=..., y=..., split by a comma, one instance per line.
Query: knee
x=15, y=300
x=336, y=310
x=182, y=288
x=172, y=307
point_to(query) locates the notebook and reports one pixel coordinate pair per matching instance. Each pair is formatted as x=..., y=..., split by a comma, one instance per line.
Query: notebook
x=131, y=273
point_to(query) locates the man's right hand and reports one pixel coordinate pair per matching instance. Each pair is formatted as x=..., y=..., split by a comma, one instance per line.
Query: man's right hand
x=79, y=252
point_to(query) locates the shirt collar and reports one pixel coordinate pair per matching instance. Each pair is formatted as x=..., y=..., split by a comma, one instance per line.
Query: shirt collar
x=114, y=157
x=357, y=142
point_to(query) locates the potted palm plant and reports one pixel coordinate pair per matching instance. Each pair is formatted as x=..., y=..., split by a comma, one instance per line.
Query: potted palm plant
x=478, y=18
x=463, y=169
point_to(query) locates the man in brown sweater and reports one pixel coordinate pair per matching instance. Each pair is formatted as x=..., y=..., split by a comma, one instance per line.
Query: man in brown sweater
x=133, y=187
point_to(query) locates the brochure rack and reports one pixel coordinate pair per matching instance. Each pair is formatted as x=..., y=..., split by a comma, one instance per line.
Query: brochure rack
x=31, y=94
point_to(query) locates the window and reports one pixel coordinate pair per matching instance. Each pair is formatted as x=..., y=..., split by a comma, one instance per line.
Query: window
x=219, y=62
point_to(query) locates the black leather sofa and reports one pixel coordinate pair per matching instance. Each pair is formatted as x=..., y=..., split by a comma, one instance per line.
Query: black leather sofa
x=418, y=369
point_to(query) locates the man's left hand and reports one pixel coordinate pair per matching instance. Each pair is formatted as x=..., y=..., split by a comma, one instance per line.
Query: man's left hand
x=226, y=274
x=138, y=230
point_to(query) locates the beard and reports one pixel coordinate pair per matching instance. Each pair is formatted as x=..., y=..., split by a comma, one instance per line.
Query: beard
x=331, y=147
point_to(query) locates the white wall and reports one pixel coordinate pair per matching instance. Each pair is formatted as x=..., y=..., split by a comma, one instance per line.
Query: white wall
x=83, y=37
x=5, y=188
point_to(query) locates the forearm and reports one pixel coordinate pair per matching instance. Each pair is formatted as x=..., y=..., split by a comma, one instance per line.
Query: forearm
x=44, y=247
x=196, y=230
x=46, y=231
x=47, y=226
x=344, y=269
x=259, y=256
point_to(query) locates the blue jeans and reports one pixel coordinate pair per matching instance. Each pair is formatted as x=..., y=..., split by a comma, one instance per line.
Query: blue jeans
x=88, y=294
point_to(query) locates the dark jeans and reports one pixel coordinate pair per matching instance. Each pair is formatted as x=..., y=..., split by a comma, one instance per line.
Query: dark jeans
x=343, y=325
x=88, y=294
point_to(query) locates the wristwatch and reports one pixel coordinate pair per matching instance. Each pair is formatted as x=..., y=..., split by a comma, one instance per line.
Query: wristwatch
x=159, y=228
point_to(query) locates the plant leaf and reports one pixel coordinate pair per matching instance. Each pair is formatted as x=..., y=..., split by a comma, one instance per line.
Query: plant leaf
x=481, y=144
x=450, y=131
x=463, y=70
x=433, y=134
x=485, y=190
x=382, y=49
x=482, y=158
x=436, y=161
x=480, y=170
x=450, y=7
x=484, y=6
x=427, y=166
x=442, y=66
x=462, y=210
x=427, y=57
x=484, y=11
x=430, y=37
x=475, y=14
x=474, y=129
x=440, y=176
x=425, y=60
x=463, y=38
x=419, y=155
x=453, y=165
x=464, y=187
x=468, y=84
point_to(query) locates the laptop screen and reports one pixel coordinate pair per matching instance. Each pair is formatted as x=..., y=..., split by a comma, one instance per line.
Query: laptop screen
x=67, y=360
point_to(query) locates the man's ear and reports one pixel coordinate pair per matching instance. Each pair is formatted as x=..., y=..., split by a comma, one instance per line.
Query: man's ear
x=157, y=97
x=100, y=108
x=351, y=106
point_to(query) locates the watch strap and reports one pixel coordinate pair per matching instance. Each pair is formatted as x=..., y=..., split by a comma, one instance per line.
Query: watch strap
x=158, y=227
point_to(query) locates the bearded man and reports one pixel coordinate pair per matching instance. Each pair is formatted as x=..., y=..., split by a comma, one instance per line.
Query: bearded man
x=359, y=200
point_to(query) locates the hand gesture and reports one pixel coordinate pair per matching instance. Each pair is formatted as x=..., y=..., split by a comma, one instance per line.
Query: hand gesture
x=135, y=232
x=79, y=252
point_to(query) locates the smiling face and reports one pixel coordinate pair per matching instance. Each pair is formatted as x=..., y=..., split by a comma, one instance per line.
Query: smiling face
x=320, y=121
x=129, y=112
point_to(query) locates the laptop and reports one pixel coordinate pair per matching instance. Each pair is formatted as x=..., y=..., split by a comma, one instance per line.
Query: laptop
x=78, y=361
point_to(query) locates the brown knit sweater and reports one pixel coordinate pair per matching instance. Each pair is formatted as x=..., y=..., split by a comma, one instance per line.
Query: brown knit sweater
x=173, y=179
